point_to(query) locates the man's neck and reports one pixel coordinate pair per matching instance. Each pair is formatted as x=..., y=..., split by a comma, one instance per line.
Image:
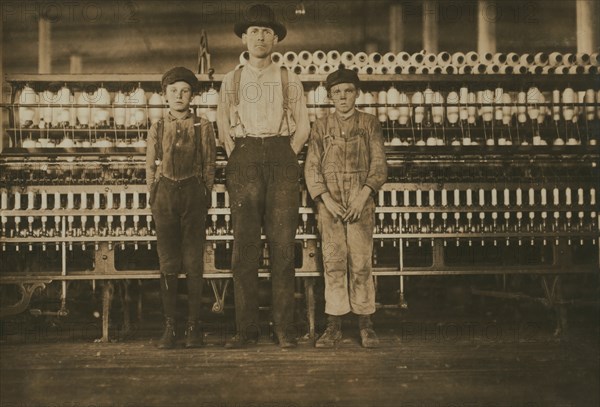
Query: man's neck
x=260, y=63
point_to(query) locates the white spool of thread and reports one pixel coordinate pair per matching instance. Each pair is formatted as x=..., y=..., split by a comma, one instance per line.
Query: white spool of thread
x=370, y=99
x=499, y=58
x=430, y=60
x=374, y=59
x=305, y=58
x=382, y=109
x=472, y=58
x=486, y=58
x=465, y=69
x=389, y=60
x=526, y=59
x=319, y=57
x=506, y=109
x=417, y=100
x=29, y=114
x=333, y=58
x=458, y=59
x=155, y=108
x=555, y=59
x=326, y=69
x=452, y=111
x=416, y=59
x=347, y=58
x=541, y=59
x=277, y=58
x=443, y=58
x=569, y=59
x=437, y=110
x=290, y=58
x=366, y=70
x=568, y=98
x=361, y=59
x=403, y=58
x=381, y=70
x=582, y=58
x=512, y=58
x=393, y=98
x=321, y=99
x=119, y=110
x=311, y=69
x=403, y=109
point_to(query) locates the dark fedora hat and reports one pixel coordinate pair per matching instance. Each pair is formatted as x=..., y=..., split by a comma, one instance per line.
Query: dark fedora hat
x=260, y=15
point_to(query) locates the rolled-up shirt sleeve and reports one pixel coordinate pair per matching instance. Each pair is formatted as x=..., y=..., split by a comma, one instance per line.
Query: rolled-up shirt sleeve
x=209, y=153
x=223, y=113
x=377, y=175
x=151, y=155
x=313, y=172
x=297, y=103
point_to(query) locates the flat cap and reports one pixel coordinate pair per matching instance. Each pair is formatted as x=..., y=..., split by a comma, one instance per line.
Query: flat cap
x=179, y=73
x=342, y=75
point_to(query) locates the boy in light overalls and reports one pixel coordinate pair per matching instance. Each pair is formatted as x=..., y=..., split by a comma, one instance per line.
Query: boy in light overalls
x=345, y=166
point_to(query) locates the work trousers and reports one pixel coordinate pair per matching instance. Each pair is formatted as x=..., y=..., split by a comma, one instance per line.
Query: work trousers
x=179, y=212
x=347, y=253
x=263, y=185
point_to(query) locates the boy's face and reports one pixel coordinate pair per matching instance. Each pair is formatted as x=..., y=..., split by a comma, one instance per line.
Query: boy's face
x=179, y=95
x=343, y=96
x=259, y=40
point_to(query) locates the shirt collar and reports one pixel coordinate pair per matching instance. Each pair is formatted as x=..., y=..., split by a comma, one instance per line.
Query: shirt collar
x=258, y=71
x=172, y=118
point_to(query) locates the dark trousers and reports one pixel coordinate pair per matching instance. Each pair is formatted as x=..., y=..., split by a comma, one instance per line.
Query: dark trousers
x=179, y=212
x=263, y=184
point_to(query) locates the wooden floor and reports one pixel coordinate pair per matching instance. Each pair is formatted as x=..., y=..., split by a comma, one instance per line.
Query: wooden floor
x=430, y=355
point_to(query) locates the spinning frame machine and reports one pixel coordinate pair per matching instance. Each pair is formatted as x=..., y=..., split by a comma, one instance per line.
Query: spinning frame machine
x=488, y=174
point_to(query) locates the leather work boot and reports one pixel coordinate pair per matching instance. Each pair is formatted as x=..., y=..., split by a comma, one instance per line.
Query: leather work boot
x=285, y=342
x=167, y=340
x=239, y=342
x=368, y=338
x=193, y=335
x=332, y=334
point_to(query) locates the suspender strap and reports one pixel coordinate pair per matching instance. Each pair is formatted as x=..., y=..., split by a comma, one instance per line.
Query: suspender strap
x=159, y=137
x=237, y=78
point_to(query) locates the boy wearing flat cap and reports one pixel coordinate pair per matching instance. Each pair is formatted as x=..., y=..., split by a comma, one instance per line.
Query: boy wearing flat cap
x=180, y=171
x=345, y=165
x=263, y=124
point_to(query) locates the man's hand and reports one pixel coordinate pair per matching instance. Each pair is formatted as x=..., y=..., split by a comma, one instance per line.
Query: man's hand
x=332, y=206
x=352, y=214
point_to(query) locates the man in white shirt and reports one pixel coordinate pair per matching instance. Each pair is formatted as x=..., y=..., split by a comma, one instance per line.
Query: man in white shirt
x=263, y=124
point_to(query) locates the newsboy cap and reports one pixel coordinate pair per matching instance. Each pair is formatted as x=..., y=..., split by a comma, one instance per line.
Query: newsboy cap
x=179, y=73
x=342, y=75
x=260, y=15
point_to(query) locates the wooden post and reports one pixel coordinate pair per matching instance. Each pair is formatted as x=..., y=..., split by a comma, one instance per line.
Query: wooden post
x=430, y=26
x=396, y=29
x=588, y=28
x=487, y=14
x=44, y=47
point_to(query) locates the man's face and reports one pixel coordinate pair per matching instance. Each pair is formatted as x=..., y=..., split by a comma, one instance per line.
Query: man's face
x=343, y=96
x=179, y=95
x=259, y=40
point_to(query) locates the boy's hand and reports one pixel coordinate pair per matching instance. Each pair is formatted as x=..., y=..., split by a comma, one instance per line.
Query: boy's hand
x=357, y=205
x=332, y=206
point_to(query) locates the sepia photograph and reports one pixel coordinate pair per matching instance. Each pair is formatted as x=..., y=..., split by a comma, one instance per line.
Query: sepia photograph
x=300, y=203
